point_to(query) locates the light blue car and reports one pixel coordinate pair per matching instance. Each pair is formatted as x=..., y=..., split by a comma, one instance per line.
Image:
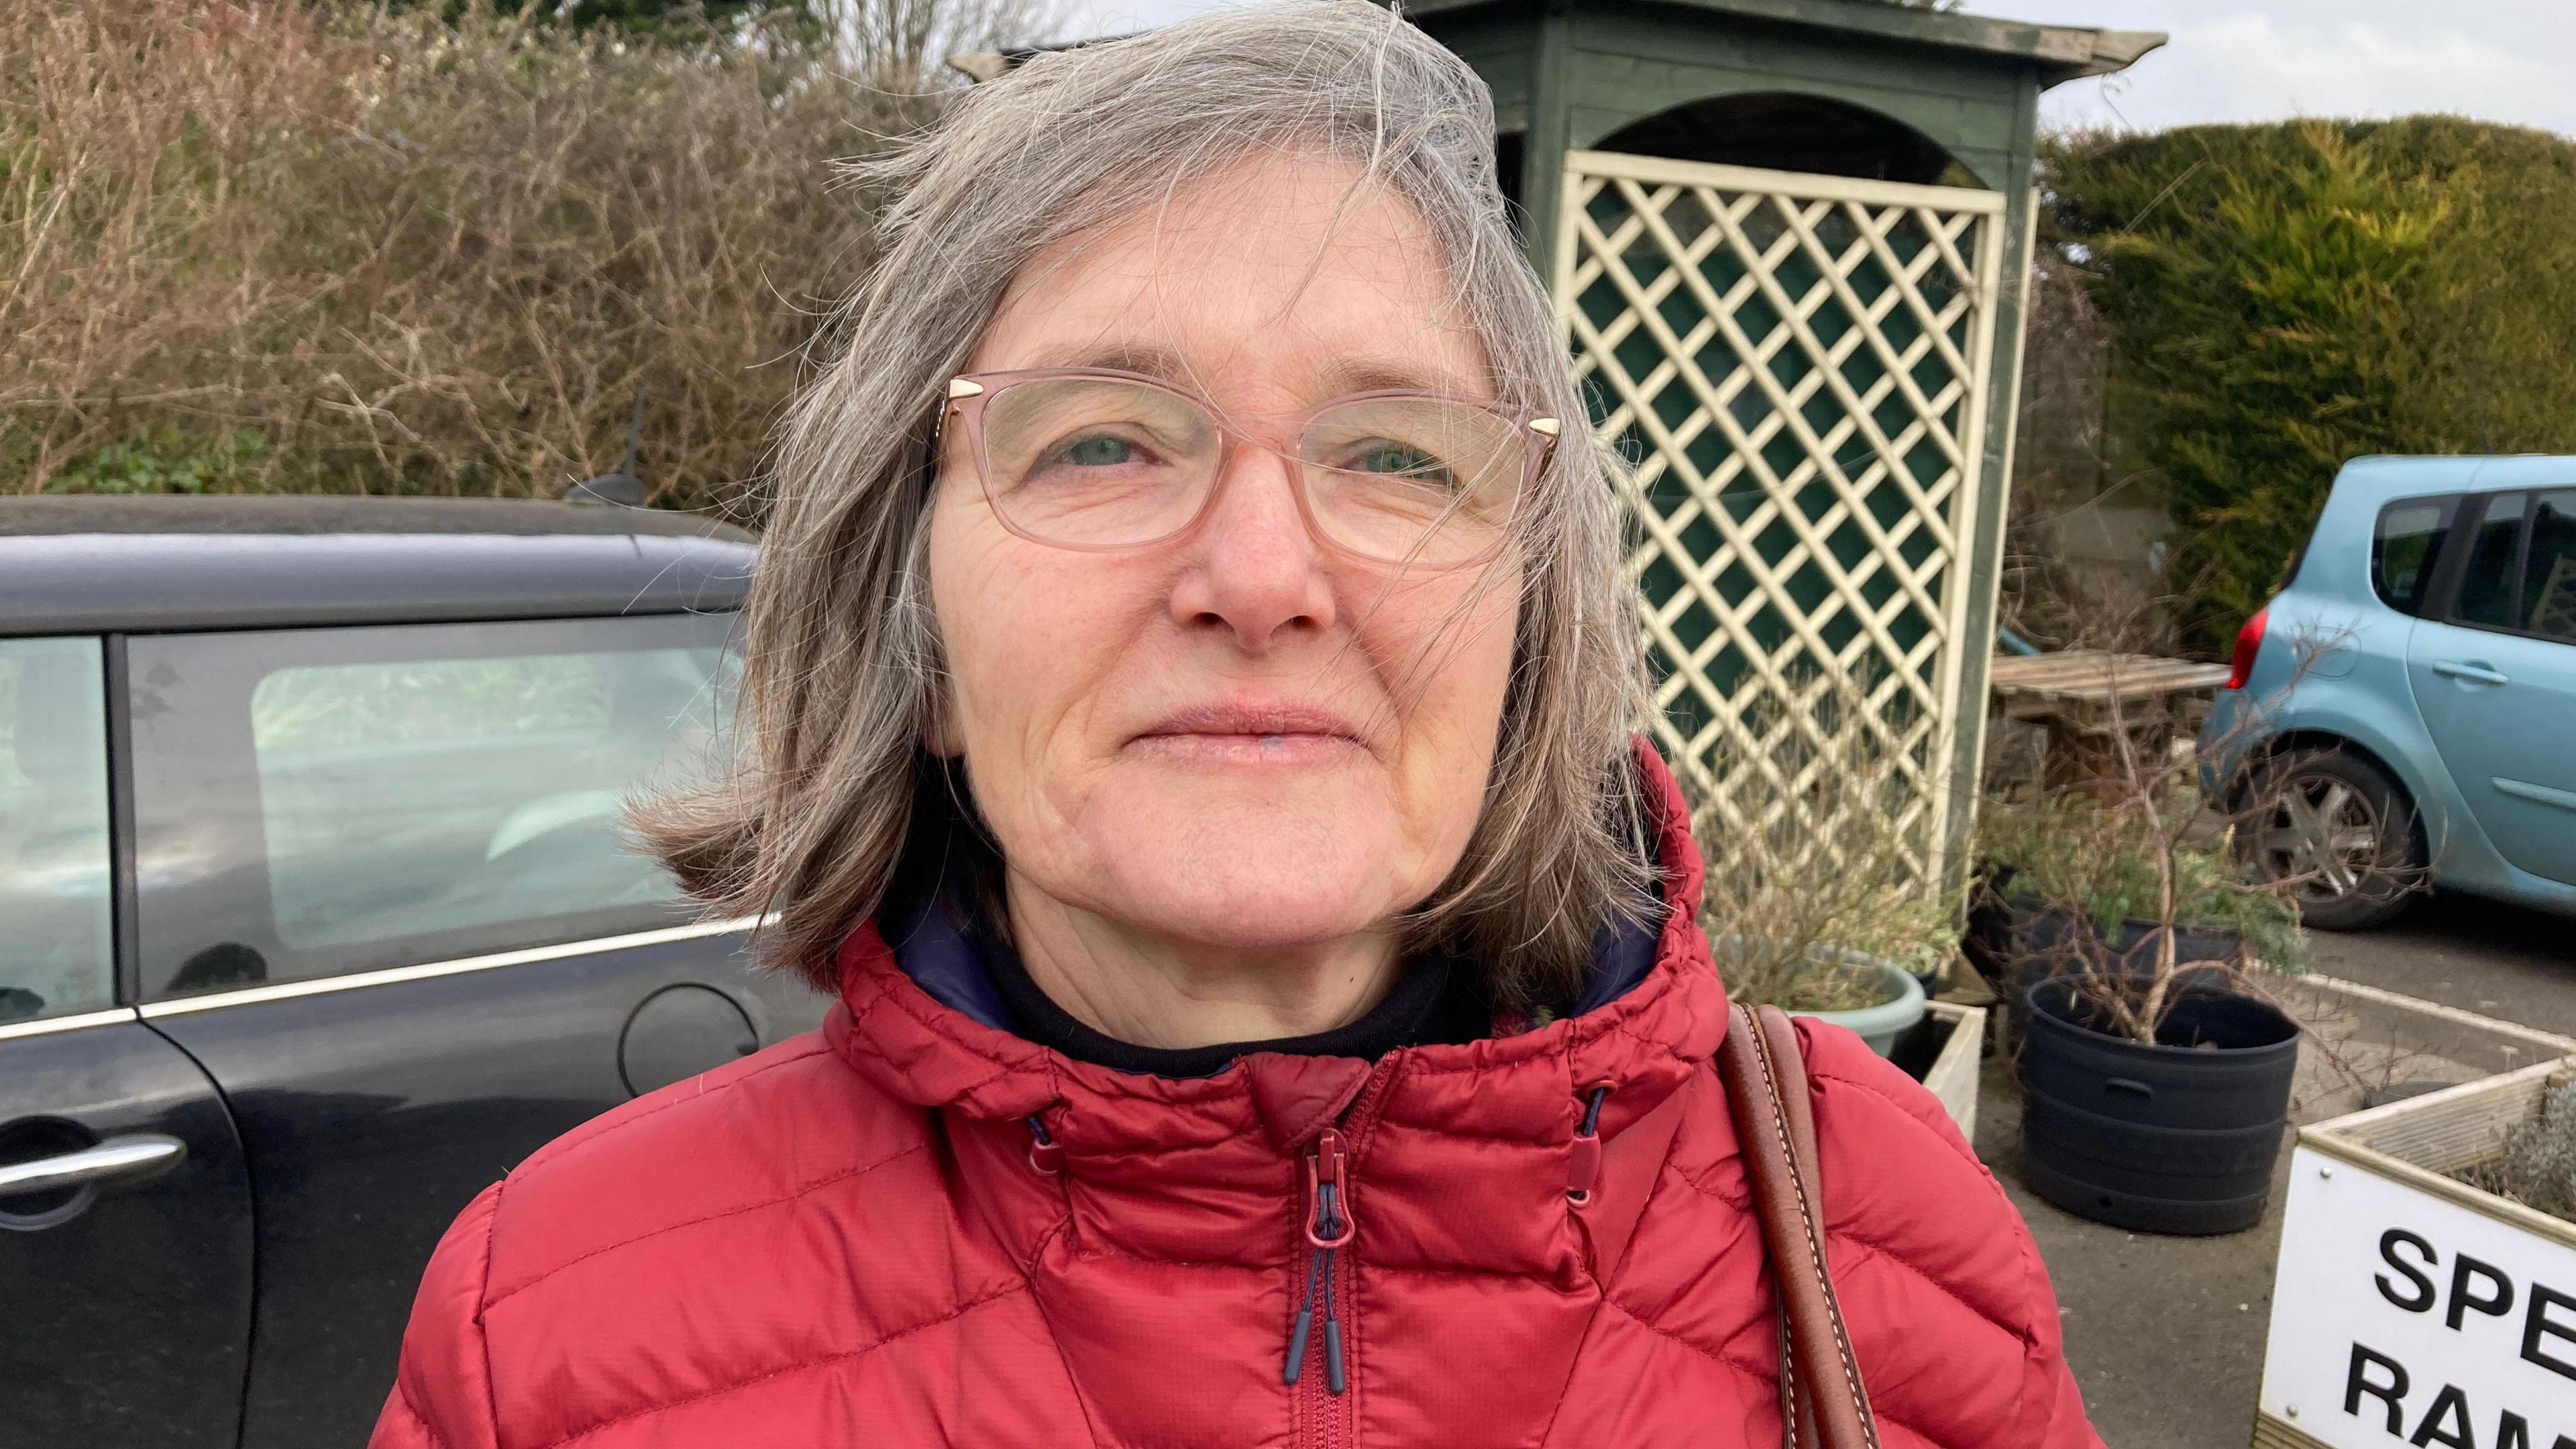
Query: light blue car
x=2403, y=713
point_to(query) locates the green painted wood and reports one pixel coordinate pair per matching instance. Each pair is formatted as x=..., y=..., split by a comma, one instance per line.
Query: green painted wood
x=2053, y=52
x=1629, y=63
x=1549, y=137
x=1499, y=47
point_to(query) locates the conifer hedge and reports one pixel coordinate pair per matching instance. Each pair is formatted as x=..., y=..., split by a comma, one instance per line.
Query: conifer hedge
x=2284, y=297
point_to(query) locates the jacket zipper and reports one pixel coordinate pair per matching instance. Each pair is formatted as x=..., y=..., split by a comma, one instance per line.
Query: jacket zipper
x=1330, y=1225
x=1329, y=1228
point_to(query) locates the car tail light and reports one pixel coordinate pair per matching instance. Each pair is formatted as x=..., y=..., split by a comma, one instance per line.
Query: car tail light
x=2249, y=642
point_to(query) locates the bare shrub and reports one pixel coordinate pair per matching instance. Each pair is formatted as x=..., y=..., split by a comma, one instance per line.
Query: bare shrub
x=2537, y=1167
x=1818, y=851
x=258, y=246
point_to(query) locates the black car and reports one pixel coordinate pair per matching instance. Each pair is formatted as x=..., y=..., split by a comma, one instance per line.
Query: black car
x=317, y=915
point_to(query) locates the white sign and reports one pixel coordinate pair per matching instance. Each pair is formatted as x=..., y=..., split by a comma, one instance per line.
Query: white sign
x=2402, y=1318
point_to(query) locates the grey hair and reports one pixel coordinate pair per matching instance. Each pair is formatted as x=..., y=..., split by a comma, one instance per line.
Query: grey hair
x=843, y=679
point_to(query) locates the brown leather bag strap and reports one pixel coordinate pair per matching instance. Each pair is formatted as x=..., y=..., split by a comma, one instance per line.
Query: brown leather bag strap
x=1823, y=1405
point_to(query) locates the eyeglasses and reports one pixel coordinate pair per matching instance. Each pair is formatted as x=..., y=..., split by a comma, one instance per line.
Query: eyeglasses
x=1089, y=458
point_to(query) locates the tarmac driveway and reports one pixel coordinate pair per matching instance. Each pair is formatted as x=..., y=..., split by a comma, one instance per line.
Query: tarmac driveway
x=2495, y=960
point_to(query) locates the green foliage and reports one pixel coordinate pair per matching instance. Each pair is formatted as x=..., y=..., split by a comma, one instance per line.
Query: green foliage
x=2076, y=853
x=165, y=460
x=2492, y=334
x=329, y=247
x=658, y=18
x=2286, y=297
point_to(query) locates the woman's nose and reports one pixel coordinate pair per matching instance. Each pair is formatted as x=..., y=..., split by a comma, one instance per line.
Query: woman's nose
x=1253, y=567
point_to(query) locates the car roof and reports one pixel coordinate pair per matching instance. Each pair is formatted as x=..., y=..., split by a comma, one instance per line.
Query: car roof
x=94, y=565
x=2376, y=480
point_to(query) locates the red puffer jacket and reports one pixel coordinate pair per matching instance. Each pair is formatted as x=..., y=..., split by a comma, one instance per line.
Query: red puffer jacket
x=910, y=1229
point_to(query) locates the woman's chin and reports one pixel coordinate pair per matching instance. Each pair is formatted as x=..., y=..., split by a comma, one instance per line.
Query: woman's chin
x=1242, y=915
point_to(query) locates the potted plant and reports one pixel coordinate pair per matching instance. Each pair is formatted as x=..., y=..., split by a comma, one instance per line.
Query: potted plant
x=1857, y=957
x=1820, y=899
x=1872, y=996
x=2426, y=1288
x=2156, y=1070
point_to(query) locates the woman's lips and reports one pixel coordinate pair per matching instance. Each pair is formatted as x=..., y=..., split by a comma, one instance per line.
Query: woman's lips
x=1241, y=734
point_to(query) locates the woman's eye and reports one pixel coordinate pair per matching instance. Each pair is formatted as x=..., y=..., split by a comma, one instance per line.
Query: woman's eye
x=1398, y=458
x=1100, y=450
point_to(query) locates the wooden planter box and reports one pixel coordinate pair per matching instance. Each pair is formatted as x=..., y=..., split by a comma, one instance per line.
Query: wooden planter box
x=1942, y=1055
x=2410, y=1308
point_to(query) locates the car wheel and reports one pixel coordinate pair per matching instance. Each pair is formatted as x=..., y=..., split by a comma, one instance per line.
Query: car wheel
x=2341, y=830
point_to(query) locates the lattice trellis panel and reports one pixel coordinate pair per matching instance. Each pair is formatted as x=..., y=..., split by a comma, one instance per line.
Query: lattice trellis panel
x=1796, y=368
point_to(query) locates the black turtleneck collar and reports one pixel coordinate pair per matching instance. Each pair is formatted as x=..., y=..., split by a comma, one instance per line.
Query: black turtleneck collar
x=1431, y=1002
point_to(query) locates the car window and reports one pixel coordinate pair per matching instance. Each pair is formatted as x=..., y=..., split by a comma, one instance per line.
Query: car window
x=2549, y=578
x=326, y=800
x=2495, y=550
x=2402, y=550
x=57, y=950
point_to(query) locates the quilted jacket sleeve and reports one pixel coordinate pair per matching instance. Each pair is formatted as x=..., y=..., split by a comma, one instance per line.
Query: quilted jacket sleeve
x=2066, y=1424
x=442, y=1396
x=2051, y=1405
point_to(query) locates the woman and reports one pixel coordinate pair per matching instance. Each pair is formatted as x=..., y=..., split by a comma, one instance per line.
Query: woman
x=1192, y=689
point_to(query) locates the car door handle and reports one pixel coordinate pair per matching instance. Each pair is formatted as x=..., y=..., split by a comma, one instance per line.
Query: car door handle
x=118, y=1159
x=2474, y=672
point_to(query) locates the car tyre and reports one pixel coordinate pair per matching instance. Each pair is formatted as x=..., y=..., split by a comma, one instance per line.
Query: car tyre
x=2338, y=824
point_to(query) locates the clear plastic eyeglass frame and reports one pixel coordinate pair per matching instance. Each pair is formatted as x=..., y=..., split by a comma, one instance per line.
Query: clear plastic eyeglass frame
x=971, y=393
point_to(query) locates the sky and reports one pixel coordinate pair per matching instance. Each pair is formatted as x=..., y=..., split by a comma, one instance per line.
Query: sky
x=2247, y=60
x=2244, y=60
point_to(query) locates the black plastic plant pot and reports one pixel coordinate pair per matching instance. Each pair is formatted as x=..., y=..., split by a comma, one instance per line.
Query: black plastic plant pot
x=2045, y=943
x=2178, y=1137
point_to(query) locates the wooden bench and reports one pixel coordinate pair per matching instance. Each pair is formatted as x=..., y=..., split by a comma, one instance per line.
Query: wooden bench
x=2071, y=696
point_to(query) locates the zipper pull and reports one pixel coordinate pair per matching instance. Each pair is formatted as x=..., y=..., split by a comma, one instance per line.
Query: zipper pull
x=1305, y=1328
x=1328, y=1188
x=1583, y=1164
x=1328, y=1229
x=1046, y=1155
x=1333, y=1376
